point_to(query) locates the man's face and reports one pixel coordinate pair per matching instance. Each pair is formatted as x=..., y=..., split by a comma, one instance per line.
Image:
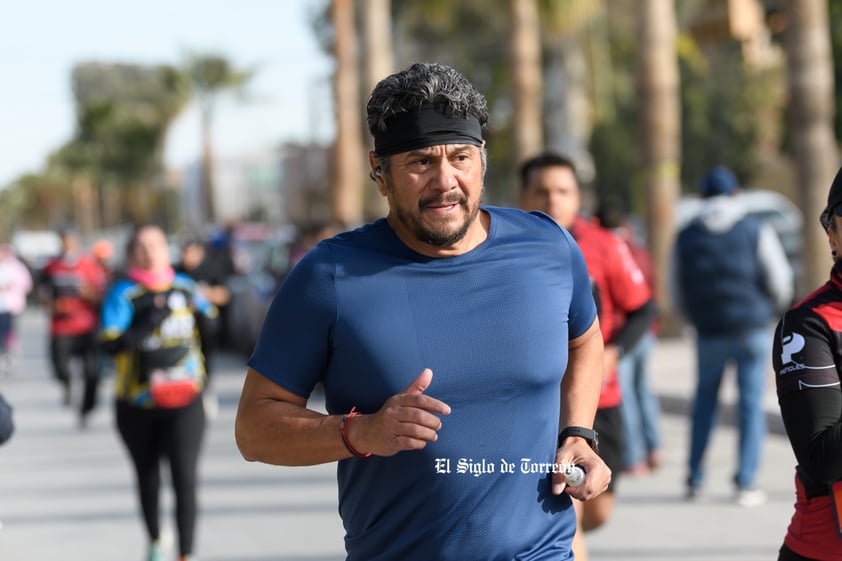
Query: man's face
x=555, y=191
x=434, y=196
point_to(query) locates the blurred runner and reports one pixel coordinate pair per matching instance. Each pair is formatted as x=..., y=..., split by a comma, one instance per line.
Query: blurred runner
x=15, y=284
x=71, y=288
x=640, y=407
x=151, y=322
x=624, y=303
x=210, y=278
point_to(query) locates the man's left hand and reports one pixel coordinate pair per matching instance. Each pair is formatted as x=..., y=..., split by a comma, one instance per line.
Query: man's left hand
x=576, y=451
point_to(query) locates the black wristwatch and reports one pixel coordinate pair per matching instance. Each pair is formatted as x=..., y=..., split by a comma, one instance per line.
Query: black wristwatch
x=588, y=434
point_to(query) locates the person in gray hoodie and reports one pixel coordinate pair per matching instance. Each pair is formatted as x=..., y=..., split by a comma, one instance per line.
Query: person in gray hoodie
x=730, y=280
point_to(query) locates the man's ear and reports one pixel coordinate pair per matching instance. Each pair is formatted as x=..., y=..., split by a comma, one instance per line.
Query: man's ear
x=376, y=173
x=380, y=181
x=373, y=164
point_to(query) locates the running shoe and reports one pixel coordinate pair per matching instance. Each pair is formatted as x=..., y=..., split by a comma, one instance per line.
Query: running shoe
x=750, y=497
x=156, y=552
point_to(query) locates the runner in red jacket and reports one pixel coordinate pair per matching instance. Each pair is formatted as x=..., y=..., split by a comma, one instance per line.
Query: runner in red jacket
x=549, y=184
x=71, y=288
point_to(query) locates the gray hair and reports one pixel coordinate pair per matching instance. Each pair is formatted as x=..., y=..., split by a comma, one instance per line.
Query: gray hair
x=424, y=84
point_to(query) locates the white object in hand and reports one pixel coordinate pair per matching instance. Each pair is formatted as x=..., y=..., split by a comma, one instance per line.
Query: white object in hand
x=574, y=475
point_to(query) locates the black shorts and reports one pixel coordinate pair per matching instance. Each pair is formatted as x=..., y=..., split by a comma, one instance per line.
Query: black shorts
x=786, y=554
x=609, y=424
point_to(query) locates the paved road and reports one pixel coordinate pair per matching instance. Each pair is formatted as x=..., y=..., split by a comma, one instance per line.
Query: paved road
x=67, y=493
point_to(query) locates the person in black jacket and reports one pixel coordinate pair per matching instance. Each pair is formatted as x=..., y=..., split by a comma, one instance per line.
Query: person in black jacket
x=731, y=280
x=210, y=277
x=807, y=356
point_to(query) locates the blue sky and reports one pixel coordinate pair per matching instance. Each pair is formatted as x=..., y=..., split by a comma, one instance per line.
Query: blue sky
x=41, y=41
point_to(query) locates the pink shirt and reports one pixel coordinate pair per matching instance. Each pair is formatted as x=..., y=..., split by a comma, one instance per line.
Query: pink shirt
x=15, y=284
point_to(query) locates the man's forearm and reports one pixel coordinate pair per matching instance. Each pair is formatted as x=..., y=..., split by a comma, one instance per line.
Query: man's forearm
x=282, y=433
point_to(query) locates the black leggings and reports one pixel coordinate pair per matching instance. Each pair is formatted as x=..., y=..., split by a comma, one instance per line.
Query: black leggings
x=62, y=349
x=7, y=327
x=174, y=434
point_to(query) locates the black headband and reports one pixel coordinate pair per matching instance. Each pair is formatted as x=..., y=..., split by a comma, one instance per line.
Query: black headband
x=425, y=127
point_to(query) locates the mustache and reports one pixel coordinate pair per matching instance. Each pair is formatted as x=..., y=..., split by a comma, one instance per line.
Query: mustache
x=450, y=199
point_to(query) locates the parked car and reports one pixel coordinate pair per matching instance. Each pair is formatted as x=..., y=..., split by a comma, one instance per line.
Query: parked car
x=36, y=247
x=264, y=263
x=773, y=207
x=270, y=262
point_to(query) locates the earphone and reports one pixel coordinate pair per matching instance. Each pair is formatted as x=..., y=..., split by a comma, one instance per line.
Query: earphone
x=377, y=172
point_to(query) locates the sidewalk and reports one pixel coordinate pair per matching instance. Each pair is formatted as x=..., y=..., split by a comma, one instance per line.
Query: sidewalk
x=652, y=520
x=68, y=494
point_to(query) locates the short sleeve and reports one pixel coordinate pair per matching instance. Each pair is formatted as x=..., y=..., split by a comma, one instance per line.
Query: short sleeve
x=116, y=312
x=582, y=306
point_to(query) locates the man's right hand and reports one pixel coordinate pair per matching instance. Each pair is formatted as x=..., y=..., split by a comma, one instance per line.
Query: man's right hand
x=407, y=421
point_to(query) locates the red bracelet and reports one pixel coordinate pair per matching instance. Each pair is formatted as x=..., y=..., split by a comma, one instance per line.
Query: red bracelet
x=346, y=420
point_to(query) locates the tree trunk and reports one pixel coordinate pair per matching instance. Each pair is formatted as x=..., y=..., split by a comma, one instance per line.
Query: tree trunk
x=568, y=112
x=112, y=211
x=349, y=154
x=84, y=208
x=208, y=194
x=525, y=53
x=660, y=133
x=810, y=76
x=378, y=62
x=100, y=193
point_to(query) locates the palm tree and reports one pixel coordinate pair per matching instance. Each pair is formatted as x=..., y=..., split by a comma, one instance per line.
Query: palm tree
x=659, y=129
x=346, y=204
x=525, y=55
x=810, y=77
x=378, y=62
x=572, y=80
x=114, y=160
x=210, y=75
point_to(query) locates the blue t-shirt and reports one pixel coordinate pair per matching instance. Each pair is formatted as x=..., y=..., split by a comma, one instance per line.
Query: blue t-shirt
x=364, y=314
